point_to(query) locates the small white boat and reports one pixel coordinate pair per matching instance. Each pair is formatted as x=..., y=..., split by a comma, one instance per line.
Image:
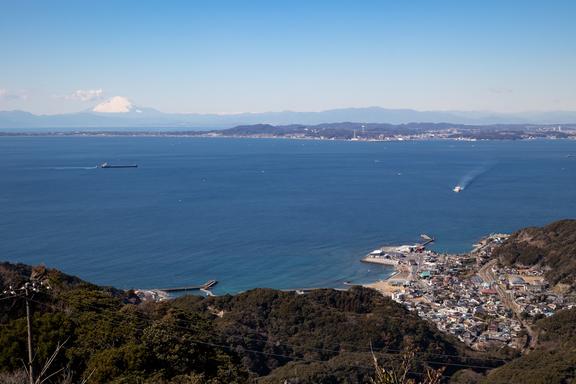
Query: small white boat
x=458, y=189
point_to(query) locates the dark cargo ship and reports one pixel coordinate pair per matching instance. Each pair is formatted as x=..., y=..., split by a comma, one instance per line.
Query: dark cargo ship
x=106, y=165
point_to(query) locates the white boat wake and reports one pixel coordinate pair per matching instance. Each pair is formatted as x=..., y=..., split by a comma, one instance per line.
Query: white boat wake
x=472, y=176
x=71, y=168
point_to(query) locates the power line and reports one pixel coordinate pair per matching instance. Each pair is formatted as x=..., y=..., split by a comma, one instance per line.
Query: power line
x=358, y=348
x=27, y=289
x=340, y=344
x=233, y=348
x=11, y=297
x=397, y=350
x=382, y=351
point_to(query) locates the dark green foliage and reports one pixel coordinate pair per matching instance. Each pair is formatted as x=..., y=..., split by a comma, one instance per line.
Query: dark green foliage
x=537, y=367
x=346, y=368
x=325, y=335
x=554, y=359
x=112, y=341
x=271, y=328
x=466, y=376
x=559, y=329
x=49, y=330
x=123, y=362
x=553, y=245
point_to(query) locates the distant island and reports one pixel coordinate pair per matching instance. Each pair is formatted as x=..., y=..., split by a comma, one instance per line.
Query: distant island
x=342, y=131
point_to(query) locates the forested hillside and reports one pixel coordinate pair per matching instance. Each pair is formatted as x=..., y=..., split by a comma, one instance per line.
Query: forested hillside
x=553, y=246
x=271, y=336
x=554, y=359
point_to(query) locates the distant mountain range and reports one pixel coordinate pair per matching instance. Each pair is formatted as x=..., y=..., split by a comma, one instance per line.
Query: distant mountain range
x=150, y=119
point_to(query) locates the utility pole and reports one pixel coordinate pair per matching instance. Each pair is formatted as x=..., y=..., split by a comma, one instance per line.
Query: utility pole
x=27, y=289
x=30, y=368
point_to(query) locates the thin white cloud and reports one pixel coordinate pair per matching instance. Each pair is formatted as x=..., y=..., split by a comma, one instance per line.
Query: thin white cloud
x=116, y=104
x=9, y=95
x=84, y=95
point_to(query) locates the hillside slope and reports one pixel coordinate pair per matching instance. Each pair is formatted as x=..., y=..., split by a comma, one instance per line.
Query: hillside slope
x=553, y=246
x=552, y=362
x=325, y=335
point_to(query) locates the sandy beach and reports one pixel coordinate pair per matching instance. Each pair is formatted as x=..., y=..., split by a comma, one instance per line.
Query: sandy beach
x=392, y=284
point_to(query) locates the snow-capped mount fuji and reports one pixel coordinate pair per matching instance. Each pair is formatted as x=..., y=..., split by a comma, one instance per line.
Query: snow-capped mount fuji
x=117, y=112
x=116, y=104
x=122, y=106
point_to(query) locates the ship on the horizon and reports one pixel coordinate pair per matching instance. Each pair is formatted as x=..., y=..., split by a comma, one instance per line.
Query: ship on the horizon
x=458, y=189
x=107, y=165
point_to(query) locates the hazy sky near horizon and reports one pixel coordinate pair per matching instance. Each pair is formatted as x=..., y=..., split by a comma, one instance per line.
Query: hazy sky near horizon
x=254, y=56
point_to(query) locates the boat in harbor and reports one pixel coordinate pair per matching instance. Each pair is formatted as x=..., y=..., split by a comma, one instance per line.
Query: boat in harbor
x=107, y=165
x=457, y=189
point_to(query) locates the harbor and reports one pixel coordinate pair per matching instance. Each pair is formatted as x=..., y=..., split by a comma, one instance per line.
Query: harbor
x=469, y=295
x=163, y=294
x=406, y=260
x=204, y=287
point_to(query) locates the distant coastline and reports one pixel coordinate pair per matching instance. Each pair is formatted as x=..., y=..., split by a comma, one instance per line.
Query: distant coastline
x=330, y=131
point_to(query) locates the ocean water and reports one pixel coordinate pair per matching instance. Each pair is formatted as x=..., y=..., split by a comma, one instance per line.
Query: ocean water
x=264, y=213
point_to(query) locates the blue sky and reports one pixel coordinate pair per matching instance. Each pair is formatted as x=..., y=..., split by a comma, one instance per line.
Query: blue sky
x=253, y=56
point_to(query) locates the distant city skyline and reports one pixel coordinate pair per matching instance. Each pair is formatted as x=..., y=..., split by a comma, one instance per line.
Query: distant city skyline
x=257, y=56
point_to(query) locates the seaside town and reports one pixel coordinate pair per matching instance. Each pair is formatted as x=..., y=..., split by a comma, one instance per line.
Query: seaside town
x=470, y=295
x=402, y=132
x=361, y=132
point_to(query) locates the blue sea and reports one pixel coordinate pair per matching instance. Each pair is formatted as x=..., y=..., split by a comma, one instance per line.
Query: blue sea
x=264, y=213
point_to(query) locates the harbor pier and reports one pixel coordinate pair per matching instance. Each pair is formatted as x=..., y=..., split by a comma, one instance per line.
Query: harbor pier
x=204, y=287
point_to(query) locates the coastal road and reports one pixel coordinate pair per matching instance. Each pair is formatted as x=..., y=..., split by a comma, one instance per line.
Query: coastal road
x=507, y=298
x=484, y=272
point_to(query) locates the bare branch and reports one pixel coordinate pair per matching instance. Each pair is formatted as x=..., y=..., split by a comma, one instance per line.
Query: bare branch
x=39, y=379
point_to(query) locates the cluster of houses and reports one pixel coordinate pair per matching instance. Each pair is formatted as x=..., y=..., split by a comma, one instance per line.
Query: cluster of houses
x=466, y=307
x=449, y=291
x=483, y=249
x=147, y=295
x=535, y=298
